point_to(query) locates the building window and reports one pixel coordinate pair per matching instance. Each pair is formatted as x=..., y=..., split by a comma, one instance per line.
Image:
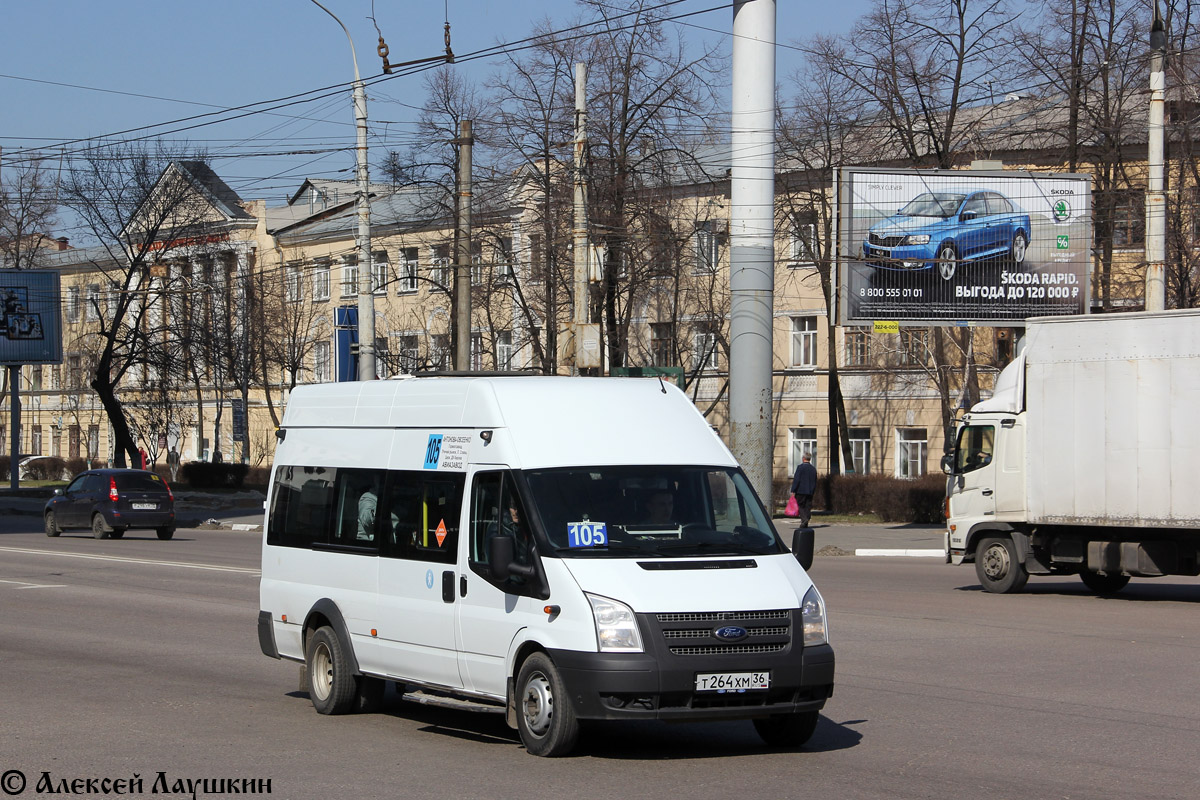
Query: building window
x=320, y=282
x=502, y=261
x=858, y=348
x=662, y=344
x=477, y=351
x=74, y=372
x=379, y=272
x=1128, y=219
x=504, y=350
x=72, y=309
x=408, y=352
x=537, y=257
x=322, y=363
x=291, y=286
x=408, y=270
x=440, y=274
x=93, y=442
x=802, y=240
x=860, y=449
x=349, y=276
x=381, y=357
x=912, y=447
x=1004, y=346
x=914, y=347
x=804, y=341
x=35, y=440
x=478, y=269
x=708, y=249
x=800, y=442
x=92, y=304
x=706, y=349
x=73, y=436
x=439, y=351
x=3, y=439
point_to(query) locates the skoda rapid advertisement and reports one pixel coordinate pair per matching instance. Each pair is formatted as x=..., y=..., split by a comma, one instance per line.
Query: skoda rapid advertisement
x=962, y=246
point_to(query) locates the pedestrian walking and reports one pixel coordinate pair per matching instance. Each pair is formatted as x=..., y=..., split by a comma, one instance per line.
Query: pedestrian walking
x=804, y=486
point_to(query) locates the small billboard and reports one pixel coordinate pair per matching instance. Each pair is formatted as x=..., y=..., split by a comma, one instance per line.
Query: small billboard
x=30, y=317
x=960, y=247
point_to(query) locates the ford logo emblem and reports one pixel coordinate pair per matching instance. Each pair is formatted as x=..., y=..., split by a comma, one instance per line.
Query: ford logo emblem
x=730, y=633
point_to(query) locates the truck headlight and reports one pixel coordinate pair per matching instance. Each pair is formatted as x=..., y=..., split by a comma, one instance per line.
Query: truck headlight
x=616, y=627
x=812, y=618
x=917, y=238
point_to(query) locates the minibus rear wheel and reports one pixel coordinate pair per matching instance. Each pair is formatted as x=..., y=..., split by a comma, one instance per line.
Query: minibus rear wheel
x=331, y=684
x=545, y=718
x=787, y=730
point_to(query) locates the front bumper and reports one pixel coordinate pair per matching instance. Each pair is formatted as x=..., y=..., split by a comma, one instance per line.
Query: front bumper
x=904, y=258
x=659, y=684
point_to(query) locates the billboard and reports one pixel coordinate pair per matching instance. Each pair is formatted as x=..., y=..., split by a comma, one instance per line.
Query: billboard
x=958, y=247
x=30, y=317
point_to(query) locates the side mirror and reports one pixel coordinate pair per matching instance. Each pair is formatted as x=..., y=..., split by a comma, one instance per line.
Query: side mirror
x=58, y=491
x=948, y=463
x=500, y=557
x=803, y=543
x=967, y=216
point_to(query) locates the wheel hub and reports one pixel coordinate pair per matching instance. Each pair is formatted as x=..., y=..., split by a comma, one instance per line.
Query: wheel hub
x=538, y=704
x=321, y=674
x=995, y=562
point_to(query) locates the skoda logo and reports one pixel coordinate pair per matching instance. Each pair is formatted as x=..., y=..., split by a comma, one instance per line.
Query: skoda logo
x=1062, y=210
x=730, y=633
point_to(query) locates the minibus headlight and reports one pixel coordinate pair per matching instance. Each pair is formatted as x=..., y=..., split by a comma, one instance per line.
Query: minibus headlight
x=812, y=616
x=616, y=627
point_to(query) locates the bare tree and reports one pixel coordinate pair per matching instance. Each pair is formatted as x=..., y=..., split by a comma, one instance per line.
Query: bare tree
x=28, y=213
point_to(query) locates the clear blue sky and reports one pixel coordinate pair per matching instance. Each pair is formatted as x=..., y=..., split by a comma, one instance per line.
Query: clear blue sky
x=66, y=63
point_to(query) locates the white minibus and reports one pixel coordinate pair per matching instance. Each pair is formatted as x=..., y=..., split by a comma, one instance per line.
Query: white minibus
x=556, y=549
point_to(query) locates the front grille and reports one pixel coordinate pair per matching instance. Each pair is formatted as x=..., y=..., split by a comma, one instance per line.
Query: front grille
x=727, y=649
x=724, y=616
x=694, y=633
x=884, y=241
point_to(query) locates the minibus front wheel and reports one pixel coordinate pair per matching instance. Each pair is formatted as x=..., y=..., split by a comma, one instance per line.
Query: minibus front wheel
x=331, y=684
x=545, y=717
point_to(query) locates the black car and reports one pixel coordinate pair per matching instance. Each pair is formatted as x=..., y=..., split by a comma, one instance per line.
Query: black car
x=110, y=502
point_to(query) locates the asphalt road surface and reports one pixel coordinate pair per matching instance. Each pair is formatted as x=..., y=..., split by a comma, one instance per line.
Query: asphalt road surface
x=140, y=657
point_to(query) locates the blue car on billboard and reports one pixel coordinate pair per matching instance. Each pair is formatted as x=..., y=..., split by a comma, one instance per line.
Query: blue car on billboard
x=942, y=230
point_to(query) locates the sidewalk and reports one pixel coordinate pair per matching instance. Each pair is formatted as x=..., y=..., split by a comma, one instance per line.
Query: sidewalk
x=876, y=539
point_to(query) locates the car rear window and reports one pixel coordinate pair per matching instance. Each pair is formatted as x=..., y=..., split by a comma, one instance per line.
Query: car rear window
x=139, y=482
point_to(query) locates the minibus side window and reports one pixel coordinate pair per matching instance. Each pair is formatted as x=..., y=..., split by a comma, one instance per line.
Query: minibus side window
x=419, y=515
x=357, y=494
x=496, y=509
x=302, y=506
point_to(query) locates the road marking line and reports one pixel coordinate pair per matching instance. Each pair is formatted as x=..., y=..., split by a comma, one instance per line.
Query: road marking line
x=24, y=585
x=126, y=560
x=910, y=552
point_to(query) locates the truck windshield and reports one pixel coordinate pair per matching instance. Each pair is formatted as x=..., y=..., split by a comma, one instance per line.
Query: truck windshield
x=657, y=511
x=933, y=204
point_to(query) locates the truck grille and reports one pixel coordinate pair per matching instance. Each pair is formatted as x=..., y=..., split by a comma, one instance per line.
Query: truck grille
x=693, y=634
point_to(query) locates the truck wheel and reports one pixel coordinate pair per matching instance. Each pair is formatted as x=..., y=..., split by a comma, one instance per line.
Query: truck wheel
x=997, y=566
x=787, y=730
x=331, y=686
x=545, y=718
x=1104, y=584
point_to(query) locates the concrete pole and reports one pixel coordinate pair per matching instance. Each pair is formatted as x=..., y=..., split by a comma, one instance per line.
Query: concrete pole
x=752, y=241
x=14, y=407
x=580, y=233
x=1156, y=219
x=462, y=269
x=362, y=242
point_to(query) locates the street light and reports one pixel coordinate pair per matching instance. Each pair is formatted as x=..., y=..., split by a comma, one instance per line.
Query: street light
x=366, y=294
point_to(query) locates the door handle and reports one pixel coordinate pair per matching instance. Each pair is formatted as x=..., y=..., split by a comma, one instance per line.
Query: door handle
x=462, y=586
x=987, y=492
x=448, y=586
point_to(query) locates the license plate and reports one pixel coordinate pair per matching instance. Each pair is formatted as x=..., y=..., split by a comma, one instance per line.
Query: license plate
x=145, y=506
x=732, y=681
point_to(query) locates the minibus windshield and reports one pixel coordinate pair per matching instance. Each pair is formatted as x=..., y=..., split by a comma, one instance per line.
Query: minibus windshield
x=657, y=511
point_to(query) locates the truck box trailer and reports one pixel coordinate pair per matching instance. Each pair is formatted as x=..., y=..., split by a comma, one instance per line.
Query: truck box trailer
x=1084, y=460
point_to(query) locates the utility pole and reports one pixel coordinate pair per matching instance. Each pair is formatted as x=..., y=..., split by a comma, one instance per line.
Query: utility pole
x=1156, y=218
x=462, y=267
x=752, y=241
x=362, y=241
x=580, y=233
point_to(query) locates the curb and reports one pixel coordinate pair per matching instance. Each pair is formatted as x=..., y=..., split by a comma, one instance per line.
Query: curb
x=906, y=552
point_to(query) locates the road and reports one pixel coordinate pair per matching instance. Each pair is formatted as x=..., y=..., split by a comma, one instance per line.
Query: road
x=138, y=656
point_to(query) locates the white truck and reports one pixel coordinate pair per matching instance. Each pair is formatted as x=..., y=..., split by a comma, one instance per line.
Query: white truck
x=1085, y=459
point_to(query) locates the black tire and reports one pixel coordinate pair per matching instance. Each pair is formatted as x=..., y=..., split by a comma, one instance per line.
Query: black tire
x=545, y=718
x=116, y=533
x=1104, y=584
x=947, y=261
x=52, y=528
x=1016, y=252
x=997, y=566
x=165, y=533
x=787, y=730
x=331, y=685
x=99, y=529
